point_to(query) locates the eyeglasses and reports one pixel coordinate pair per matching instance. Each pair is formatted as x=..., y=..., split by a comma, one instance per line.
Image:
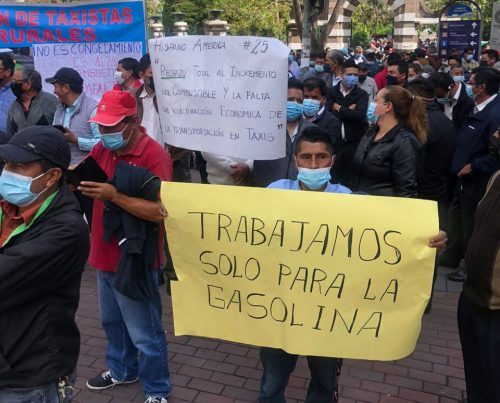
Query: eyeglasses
x=472, y=84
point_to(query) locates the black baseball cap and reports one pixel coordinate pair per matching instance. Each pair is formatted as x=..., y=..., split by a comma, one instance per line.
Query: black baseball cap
x=66, y=75
x=37, y=143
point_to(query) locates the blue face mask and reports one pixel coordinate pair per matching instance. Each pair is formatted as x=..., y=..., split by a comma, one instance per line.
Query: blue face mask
x=459, y=78
x=468, y=90
x=290, y=58
x=293, y=110
x=443, y=101
x=114, y=141
x=319, y=68
x=16, y=188
x=311, y=107
x=314, y=179
x=350, y=81
x=370, y=113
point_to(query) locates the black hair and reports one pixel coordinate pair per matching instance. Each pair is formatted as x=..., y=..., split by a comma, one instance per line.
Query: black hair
x=420, y=52
x=489, y=77
x=393, y=57
x=469, y=49
x=349, y=64
x=442, y=80
x=363, y=66
x=8, y=62
x=314, y=135
x=402, y=66
x=321, y=54
x=421, y=87
x=415, y=66
x=492, y=54
x=145, y=62
x=295, y=83
x=130, y=64
x=313, y=83
x=456, y=58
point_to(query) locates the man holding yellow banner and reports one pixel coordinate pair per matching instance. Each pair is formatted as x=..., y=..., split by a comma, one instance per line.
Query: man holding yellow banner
x=309, y=273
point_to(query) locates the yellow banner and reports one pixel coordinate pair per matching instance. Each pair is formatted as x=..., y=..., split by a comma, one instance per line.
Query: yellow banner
x=312, y=273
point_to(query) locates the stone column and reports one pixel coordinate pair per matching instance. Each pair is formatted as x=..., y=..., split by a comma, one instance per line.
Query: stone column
x=215, y=26
x=156, y=26
x=405, y=28
x=180, y=27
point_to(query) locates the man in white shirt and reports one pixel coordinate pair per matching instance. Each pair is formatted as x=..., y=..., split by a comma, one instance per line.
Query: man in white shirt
x=147, y=105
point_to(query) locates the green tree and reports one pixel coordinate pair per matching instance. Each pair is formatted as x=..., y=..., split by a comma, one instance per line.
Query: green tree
x=245, y=17
x=371, y=18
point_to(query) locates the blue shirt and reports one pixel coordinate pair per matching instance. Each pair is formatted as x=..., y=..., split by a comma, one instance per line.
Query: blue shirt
x=289, y=184
x=6, y=98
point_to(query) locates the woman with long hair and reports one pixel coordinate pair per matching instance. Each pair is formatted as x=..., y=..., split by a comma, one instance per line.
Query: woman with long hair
x=386, y=160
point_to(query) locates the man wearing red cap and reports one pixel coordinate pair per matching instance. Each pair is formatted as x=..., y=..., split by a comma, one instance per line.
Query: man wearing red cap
x=131, y=325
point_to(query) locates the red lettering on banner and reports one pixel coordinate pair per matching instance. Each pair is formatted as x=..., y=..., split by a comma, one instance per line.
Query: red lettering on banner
x=90, y=35
x=74, y=15
x=3, y=35
x=75, y=35
x=127, y=15
x=50, y=15
x=62, y=19
x=33, y=18
x=4, y=18
x=93, y=18
x=21, y=18
x=115, y=17
x=48, y=36
x=104, y=13
x=32, y=36
x=60, y=37
x=19, y=33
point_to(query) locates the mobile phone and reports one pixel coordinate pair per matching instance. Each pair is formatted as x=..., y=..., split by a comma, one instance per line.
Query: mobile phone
x=87, y=170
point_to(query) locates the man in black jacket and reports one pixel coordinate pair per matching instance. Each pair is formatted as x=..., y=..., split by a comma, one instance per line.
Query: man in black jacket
x=315, y=91
x=472, y=164
x=452, y=98
x=349, y=104
x=437, y=151
x=44, y=244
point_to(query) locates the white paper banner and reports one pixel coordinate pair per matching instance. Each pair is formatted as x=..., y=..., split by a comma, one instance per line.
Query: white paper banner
x=222, y=94
x=96, y=62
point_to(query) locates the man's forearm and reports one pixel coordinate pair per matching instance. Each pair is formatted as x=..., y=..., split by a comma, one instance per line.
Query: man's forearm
x=143, y=209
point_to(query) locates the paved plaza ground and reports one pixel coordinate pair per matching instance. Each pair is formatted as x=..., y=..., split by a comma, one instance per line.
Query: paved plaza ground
x=213, y=371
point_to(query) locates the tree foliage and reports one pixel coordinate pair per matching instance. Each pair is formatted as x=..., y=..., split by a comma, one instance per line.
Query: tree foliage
x=245, y=17
x=371, y=18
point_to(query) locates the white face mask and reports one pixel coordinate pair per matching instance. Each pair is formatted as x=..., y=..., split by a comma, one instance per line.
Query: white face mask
x=118, y=78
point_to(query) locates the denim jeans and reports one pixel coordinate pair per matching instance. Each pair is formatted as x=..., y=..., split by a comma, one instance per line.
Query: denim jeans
x=131, y=327
x=278, y=365
x=47, y=393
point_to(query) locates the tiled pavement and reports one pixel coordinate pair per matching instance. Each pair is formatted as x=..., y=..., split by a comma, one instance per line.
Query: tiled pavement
x=212, y=371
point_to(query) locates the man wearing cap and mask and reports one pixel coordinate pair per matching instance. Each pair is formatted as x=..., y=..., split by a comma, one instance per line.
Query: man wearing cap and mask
x=32, y=105
x=44, y=245
x=73, y=113
x=131, y=325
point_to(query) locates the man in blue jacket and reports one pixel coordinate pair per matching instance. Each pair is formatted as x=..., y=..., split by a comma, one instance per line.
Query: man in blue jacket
x=472, y=164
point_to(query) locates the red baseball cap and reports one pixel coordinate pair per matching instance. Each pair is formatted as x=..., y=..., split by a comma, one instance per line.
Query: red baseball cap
x=114, y=107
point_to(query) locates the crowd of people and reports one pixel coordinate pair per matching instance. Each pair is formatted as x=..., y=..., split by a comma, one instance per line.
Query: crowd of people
x=385, y=124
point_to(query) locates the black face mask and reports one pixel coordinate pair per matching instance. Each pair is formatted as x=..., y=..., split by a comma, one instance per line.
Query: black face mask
x=327, y=68
x=17, y=89
x=391, y=80
x=362, y=79
x=483, y=63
